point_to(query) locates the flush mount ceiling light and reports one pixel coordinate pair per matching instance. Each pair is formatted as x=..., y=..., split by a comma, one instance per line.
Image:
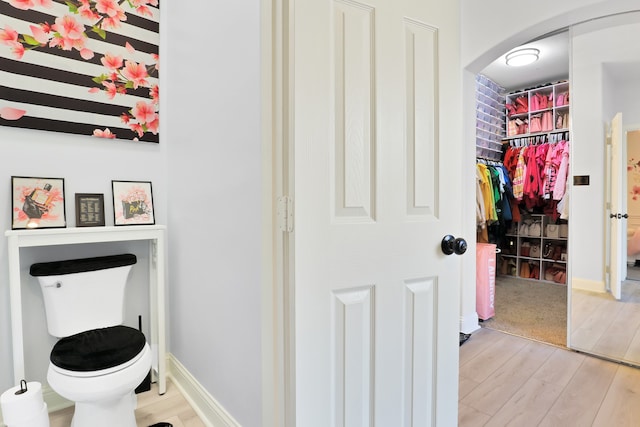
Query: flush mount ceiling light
x=521, y=57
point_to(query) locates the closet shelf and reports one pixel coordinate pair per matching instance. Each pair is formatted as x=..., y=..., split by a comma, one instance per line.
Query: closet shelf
x=549, y=102
x=525, y=135
x=541, y=252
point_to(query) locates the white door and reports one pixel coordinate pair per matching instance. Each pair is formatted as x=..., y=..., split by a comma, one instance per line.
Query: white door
x=616, y=215
x=376, y=111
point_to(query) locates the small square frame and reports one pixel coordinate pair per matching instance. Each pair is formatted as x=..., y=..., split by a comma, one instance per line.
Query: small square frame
x=37, y=203
x=132, y=203
x=90, y=210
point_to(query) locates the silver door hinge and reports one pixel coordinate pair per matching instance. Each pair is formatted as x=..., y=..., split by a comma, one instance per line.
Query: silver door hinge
x=285, y=214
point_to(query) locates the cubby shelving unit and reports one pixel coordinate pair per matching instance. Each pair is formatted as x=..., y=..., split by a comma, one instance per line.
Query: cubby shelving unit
x=551, y=255
x=519, y=118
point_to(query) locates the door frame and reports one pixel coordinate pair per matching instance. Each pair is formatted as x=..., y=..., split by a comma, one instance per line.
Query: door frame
x=278, y=367
x=614, y=186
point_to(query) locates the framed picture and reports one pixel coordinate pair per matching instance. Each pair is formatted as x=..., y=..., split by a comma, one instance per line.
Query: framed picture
x=89, y=210
x=132, y=203
x=37, y=203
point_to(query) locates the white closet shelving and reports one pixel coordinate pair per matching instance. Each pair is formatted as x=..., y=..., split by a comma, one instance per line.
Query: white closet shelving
x=542, y=248
x=533, y=104
x=538, y=242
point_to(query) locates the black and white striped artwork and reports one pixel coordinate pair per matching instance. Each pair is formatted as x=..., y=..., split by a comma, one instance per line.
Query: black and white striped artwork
x=87, y=67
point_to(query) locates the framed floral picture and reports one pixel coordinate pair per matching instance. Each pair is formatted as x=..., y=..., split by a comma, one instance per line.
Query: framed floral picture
x=37, y=203
x=132, y=203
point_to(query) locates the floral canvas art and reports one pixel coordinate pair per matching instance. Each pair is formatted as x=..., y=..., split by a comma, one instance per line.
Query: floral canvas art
x=87, y=67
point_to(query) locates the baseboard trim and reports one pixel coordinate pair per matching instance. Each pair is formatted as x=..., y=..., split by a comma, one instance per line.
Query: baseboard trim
x=588, y=285
x=207, y=408
x=469, y=323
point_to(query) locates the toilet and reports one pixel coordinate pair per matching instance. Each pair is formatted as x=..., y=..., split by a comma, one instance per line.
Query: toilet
x=97, y=362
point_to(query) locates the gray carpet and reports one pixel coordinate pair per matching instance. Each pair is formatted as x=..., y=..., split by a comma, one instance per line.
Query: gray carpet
x=531, y=309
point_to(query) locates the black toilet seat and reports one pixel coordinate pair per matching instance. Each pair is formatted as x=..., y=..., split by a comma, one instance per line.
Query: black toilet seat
x=97, y=349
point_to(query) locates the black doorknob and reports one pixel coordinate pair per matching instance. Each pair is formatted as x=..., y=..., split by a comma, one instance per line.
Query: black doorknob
x=619, y=216
x=451, y=245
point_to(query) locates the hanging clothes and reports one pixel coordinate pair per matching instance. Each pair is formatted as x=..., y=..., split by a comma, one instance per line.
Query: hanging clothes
x=486, y=188
x=538, y=172
x=563, y=171
x=535, y=158
x=519, y=176
x=481, y=217
x=506, y=193
x=551, y=166
x=493, y=201
x=510, y=160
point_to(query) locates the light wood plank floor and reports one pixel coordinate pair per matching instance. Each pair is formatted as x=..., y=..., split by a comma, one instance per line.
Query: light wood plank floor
x=510, y=381
x=171, y=407
x=602, y=325
x=504, y=381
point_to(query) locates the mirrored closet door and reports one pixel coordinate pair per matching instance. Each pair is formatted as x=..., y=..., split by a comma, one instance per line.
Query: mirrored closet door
x=604, y=317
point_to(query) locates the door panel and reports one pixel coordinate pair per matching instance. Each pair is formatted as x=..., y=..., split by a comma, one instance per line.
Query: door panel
x=353, y=355
x=422, y=117
x=376, y=301
x=422, y=317
x=618, y=240
x=354, y=111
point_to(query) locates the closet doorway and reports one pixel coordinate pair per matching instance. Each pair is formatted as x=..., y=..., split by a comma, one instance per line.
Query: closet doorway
x=528, y=112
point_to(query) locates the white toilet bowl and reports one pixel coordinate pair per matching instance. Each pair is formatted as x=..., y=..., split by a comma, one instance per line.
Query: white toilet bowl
x=98, y=362
x=102, y=398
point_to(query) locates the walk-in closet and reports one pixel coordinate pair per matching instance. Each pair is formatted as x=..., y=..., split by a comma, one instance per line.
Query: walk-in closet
x=558, y=190
x=523, y=143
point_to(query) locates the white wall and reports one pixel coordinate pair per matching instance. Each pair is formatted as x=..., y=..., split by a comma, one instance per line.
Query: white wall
x=596, y=96
x=626, y=94
x=207, y=188
x=504, y=26
x=214, y=176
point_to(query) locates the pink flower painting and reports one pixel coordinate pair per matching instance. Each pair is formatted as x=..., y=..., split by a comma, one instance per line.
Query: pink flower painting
x=82, y=43
x=38, y=202
x=633, y=178
x=132, y=203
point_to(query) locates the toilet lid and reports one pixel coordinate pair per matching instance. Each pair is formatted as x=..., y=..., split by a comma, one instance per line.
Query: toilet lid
x=98, y=349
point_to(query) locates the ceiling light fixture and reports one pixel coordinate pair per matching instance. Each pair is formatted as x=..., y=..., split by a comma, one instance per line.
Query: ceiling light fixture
x=521, y=57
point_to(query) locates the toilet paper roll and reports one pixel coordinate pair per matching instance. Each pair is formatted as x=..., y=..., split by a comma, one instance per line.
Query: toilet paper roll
x=18, y=406
x=40, y=419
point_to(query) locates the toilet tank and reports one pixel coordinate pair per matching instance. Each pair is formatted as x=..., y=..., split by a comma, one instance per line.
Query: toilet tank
x=83, y=294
